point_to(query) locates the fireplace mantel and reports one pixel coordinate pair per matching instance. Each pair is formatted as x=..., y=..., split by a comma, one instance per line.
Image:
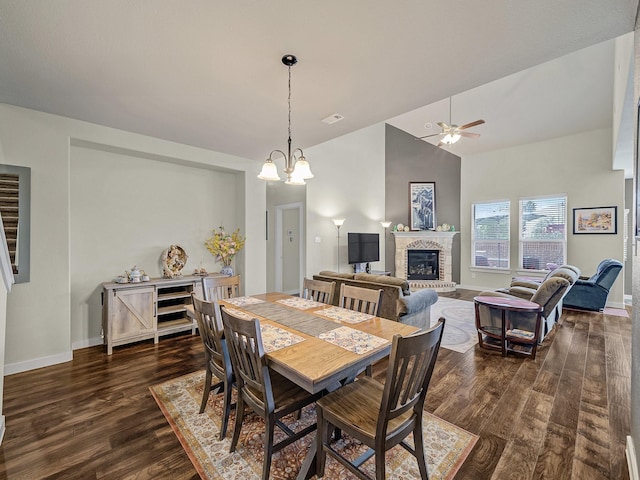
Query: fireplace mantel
x=426, y=240
x=425, y=233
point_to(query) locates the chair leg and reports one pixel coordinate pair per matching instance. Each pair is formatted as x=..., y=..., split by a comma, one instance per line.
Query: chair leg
x=238, y=423
x=322, y=437
x=418, y=444
x=226, y=410
x=268, y=446
x=207, y=390
x=380, y=465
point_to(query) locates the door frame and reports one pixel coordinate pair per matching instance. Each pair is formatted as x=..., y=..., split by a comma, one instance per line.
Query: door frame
x=278, y=242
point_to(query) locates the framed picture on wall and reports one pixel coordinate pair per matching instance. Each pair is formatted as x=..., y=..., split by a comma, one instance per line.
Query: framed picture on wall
x=600, y=220
x=422, y=205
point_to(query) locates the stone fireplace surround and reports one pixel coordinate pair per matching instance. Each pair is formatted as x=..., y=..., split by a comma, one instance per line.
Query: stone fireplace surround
x=426, y=240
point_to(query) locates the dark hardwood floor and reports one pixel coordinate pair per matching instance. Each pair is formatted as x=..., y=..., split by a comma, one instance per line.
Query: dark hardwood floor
x=564, y=415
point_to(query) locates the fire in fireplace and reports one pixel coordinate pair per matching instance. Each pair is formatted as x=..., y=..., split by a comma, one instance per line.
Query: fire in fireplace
x=423, y=264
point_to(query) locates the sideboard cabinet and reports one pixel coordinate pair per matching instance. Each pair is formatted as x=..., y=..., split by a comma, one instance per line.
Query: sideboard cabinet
x=138, y=311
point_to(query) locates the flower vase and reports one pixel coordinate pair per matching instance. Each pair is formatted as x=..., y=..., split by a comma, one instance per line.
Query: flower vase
x=227, y=270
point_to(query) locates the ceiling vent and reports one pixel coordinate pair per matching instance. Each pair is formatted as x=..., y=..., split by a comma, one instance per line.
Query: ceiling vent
x=336, y=117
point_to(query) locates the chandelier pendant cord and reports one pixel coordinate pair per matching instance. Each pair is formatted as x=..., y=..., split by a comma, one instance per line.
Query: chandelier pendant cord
x=289, y=101
x=296, y=168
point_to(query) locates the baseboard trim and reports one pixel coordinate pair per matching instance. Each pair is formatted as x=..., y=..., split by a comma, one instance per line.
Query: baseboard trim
x=632, y=461
x=2, y=428
x=86, y=343
x=12, y=368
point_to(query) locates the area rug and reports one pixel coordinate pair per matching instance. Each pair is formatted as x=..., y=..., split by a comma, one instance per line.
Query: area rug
x=618, y=312
x=446, y=446
x=460, y=332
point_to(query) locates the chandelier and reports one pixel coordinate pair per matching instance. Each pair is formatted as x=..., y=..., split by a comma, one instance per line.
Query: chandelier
x=296, y=167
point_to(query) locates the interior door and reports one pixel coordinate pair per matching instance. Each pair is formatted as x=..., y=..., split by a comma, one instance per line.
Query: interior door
x=289, y=248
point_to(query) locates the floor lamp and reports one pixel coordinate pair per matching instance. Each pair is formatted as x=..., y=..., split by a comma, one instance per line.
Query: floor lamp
x=338, y=223
x=385, y=225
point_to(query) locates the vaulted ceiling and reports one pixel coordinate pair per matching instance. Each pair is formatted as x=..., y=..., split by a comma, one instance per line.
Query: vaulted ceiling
x=208, y=73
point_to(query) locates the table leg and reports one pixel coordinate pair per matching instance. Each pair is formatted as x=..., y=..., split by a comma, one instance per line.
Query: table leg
x=503, y=340
x=308, y=468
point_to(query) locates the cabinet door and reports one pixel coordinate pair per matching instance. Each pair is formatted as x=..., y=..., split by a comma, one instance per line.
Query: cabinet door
x=133, y=312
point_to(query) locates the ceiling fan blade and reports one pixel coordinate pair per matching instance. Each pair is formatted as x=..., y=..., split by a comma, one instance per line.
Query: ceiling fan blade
x=472, y=124
x=433, y=135
x=469, y=134
x=441, y=144
x=443, y=125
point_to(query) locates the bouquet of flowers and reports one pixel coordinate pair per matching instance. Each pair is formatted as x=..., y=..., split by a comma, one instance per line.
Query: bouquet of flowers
x=224, y=246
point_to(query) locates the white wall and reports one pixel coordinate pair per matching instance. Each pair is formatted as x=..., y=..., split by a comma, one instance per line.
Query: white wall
x=577, y=165
x=125, y=210
x=3, y=323
x=4, y=281
x=622, y=74
x=348, y=183
x=39, y=312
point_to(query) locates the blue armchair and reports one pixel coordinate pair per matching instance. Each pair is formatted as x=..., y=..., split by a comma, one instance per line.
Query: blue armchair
x=591, y=293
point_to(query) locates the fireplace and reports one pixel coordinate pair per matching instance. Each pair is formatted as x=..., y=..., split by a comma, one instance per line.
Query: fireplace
x=424, y=258
x=423, y=264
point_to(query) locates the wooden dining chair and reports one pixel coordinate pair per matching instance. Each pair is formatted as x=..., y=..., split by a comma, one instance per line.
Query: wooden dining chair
x=382, y=416
x=264, y=391
x=220, y=287
x=318, y=290
x=217, y=361
x=365, y=300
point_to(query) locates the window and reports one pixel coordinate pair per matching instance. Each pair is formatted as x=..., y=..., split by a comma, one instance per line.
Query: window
x=490, y=241
x=15, y=200
x=543, y=233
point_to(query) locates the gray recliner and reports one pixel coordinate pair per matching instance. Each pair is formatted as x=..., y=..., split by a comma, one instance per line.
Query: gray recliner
x=549, y=294
x=590, y=293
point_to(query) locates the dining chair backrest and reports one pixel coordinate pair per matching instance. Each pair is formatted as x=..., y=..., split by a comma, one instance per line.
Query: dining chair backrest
x=244, y=341
x=212, y=335
x=365, y=300
x=220, y=287
x=411, y=364
x=318, y=290
x=217, y=360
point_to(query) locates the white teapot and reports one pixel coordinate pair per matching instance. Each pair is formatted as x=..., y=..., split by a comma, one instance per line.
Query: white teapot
x=135, y=274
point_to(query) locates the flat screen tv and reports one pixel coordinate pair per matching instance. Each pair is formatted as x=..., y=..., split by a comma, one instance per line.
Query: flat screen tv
x=363, y=247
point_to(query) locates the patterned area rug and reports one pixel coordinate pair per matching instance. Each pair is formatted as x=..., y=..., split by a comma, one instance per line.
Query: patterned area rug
x=460, y=332
x=446, y=446
x=618, y=312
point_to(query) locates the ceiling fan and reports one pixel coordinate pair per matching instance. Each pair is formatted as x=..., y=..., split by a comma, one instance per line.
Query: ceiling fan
x=452, y=133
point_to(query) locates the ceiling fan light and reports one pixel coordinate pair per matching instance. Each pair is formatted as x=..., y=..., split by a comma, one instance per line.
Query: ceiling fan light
x=269, y=172
x=451, y=138
x=302, y=169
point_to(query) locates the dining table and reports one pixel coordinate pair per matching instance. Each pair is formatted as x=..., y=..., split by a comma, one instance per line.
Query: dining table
x=317, y=346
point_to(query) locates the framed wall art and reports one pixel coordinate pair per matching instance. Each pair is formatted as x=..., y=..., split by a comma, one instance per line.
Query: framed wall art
x=422, y=205
x=600, y=220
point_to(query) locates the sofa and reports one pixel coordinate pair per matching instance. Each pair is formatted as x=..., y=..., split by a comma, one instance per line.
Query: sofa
x=398, y=302
x=590, y=293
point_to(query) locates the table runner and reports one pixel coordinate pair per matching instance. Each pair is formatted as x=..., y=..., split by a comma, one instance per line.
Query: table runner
x=303, y=322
